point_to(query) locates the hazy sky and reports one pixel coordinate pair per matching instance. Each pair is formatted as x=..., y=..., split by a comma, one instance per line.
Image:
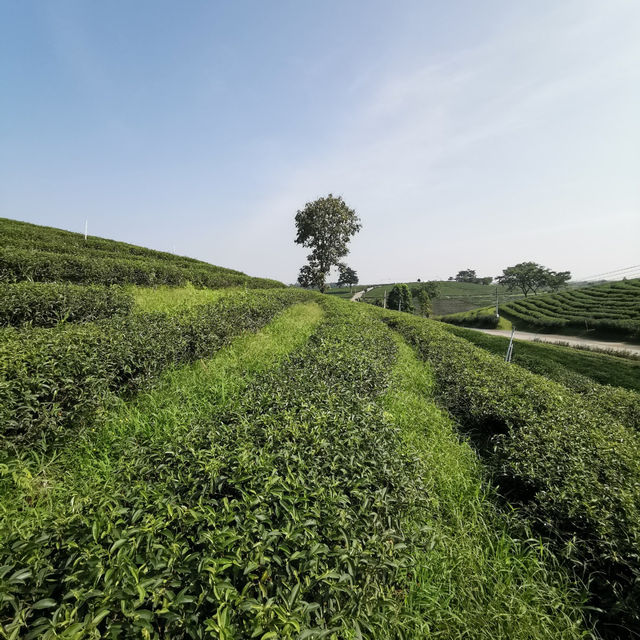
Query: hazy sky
x=465, y=134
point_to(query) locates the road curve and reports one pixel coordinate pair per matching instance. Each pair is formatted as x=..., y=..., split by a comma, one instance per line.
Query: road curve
x=356, y=296
x=622, y=347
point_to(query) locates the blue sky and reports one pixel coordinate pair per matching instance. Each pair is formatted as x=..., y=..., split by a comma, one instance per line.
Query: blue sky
x=465, y=134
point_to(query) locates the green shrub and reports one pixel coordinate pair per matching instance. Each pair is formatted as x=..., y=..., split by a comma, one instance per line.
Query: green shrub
x=47, y=304
x=52, y=377
x=573, y=469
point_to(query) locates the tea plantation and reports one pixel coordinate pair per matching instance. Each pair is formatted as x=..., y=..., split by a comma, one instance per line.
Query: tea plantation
x=608, y=308
x=216, y=462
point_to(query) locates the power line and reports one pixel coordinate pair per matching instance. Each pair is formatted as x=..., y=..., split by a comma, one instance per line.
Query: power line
x=614, y=271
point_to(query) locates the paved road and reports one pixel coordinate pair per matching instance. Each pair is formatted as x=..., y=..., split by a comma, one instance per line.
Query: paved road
x=572, y=340
x=356, y=296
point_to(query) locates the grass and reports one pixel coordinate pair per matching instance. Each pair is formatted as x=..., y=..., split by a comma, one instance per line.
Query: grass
x=546, y=359
x=171, y=299
x=483, y=317
x=471, y=578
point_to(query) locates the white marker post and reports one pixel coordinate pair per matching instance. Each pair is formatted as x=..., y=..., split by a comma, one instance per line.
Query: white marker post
x=86, y=228
x=507, y=358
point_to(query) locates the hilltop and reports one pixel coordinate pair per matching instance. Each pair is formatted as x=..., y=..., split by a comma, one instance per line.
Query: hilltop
x=46, y=254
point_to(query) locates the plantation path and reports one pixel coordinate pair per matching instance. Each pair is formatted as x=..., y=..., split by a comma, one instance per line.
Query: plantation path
x=571, y=340
x=356, y=296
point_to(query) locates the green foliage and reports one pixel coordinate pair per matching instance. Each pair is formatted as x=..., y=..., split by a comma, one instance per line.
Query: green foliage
x=573, y=470
x=529, y=277
x=575, y=368
x=346, y=275
x=326, y=226
x=611, y=308
x=471, y=577
x=484, y=317
x=54, y=377
x=43, y=254
x=399, y=298
x=45, y=305
x=261, y=494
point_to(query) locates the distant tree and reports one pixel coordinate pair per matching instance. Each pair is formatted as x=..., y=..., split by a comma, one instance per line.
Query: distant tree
x=529, y=277
x=558, y=279
x=326, y=226
x=450, y=278
x=424, y=303
x=466, y=275
x=399, y=298
x=346, y=275
x=487, y=280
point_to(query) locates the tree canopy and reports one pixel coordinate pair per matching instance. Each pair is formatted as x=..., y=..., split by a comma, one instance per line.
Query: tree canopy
x=399, y=298
x=326, y=226
x=346, y=275
x=529, y=277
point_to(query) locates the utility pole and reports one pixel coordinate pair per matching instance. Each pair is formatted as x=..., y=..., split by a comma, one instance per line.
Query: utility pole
x=497, y=312
x=384, y=304
x=86, y=228
x=507, y=357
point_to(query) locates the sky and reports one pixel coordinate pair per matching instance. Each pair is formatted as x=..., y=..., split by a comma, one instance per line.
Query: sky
x=465, y=134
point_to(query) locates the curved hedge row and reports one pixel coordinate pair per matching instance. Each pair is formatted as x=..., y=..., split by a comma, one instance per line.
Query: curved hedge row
x=574, y=470
x=51, y=377
x=612, y=307
x=17, y=265
x=47, y=304
x=45, y=254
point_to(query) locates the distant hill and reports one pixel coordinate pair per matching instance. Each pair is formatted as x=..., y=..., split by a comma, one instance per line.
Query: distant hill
x=613, y=307
x=47, y=254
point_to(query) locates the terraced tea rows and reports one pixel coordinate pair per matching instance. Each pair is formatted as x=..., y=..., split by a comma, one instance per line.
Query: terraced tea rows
x=612, y=307
x=44, y=254
x=260, y=494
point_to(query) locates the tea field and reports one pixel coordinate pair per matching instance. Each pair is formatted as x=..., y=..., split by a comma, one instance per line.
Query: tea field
x=612, y=308
x=236, y=462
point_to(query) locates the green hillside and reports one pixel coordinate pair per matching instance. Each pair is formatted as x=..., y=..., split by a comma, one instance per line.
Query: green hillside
x=196, y=462
x=454, y=297
x=46, y=254
x=613, y=307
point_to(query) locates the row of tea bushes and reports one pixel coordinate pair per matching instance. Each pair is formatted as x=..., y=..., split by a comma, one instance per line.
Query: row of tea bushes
x=613, y=307
x=17, y=265
x=51, y=377
x=280, y=516
x=573, y=470
x=40, y=304
x=612, y=382
x=24, y=235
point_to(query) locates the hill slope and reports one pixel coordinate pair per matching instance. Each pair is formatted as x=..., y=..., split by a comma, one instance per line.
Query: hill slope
x=46, y=254
x=613, y=307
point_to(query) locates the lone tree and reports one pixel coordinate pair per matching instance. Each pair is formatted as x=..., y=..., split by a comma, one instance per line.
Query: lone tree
x=346, y=275
x=530, y=277
x=424, y=293
x=326, y=226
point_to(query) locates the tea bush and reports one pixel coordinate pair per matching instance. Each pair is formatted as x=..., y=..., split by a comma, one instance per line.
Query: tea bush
x=572, y=468
x=47, y=304
x=51, y=377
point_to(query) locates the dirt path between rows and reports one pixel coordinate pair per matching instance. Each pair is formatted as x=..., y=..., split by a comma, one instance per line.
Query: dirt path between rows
x=571, y=340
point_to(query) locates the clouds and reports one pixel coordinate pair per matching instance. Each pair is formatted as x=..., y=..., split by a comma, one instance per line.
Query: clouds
x=485, y=145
